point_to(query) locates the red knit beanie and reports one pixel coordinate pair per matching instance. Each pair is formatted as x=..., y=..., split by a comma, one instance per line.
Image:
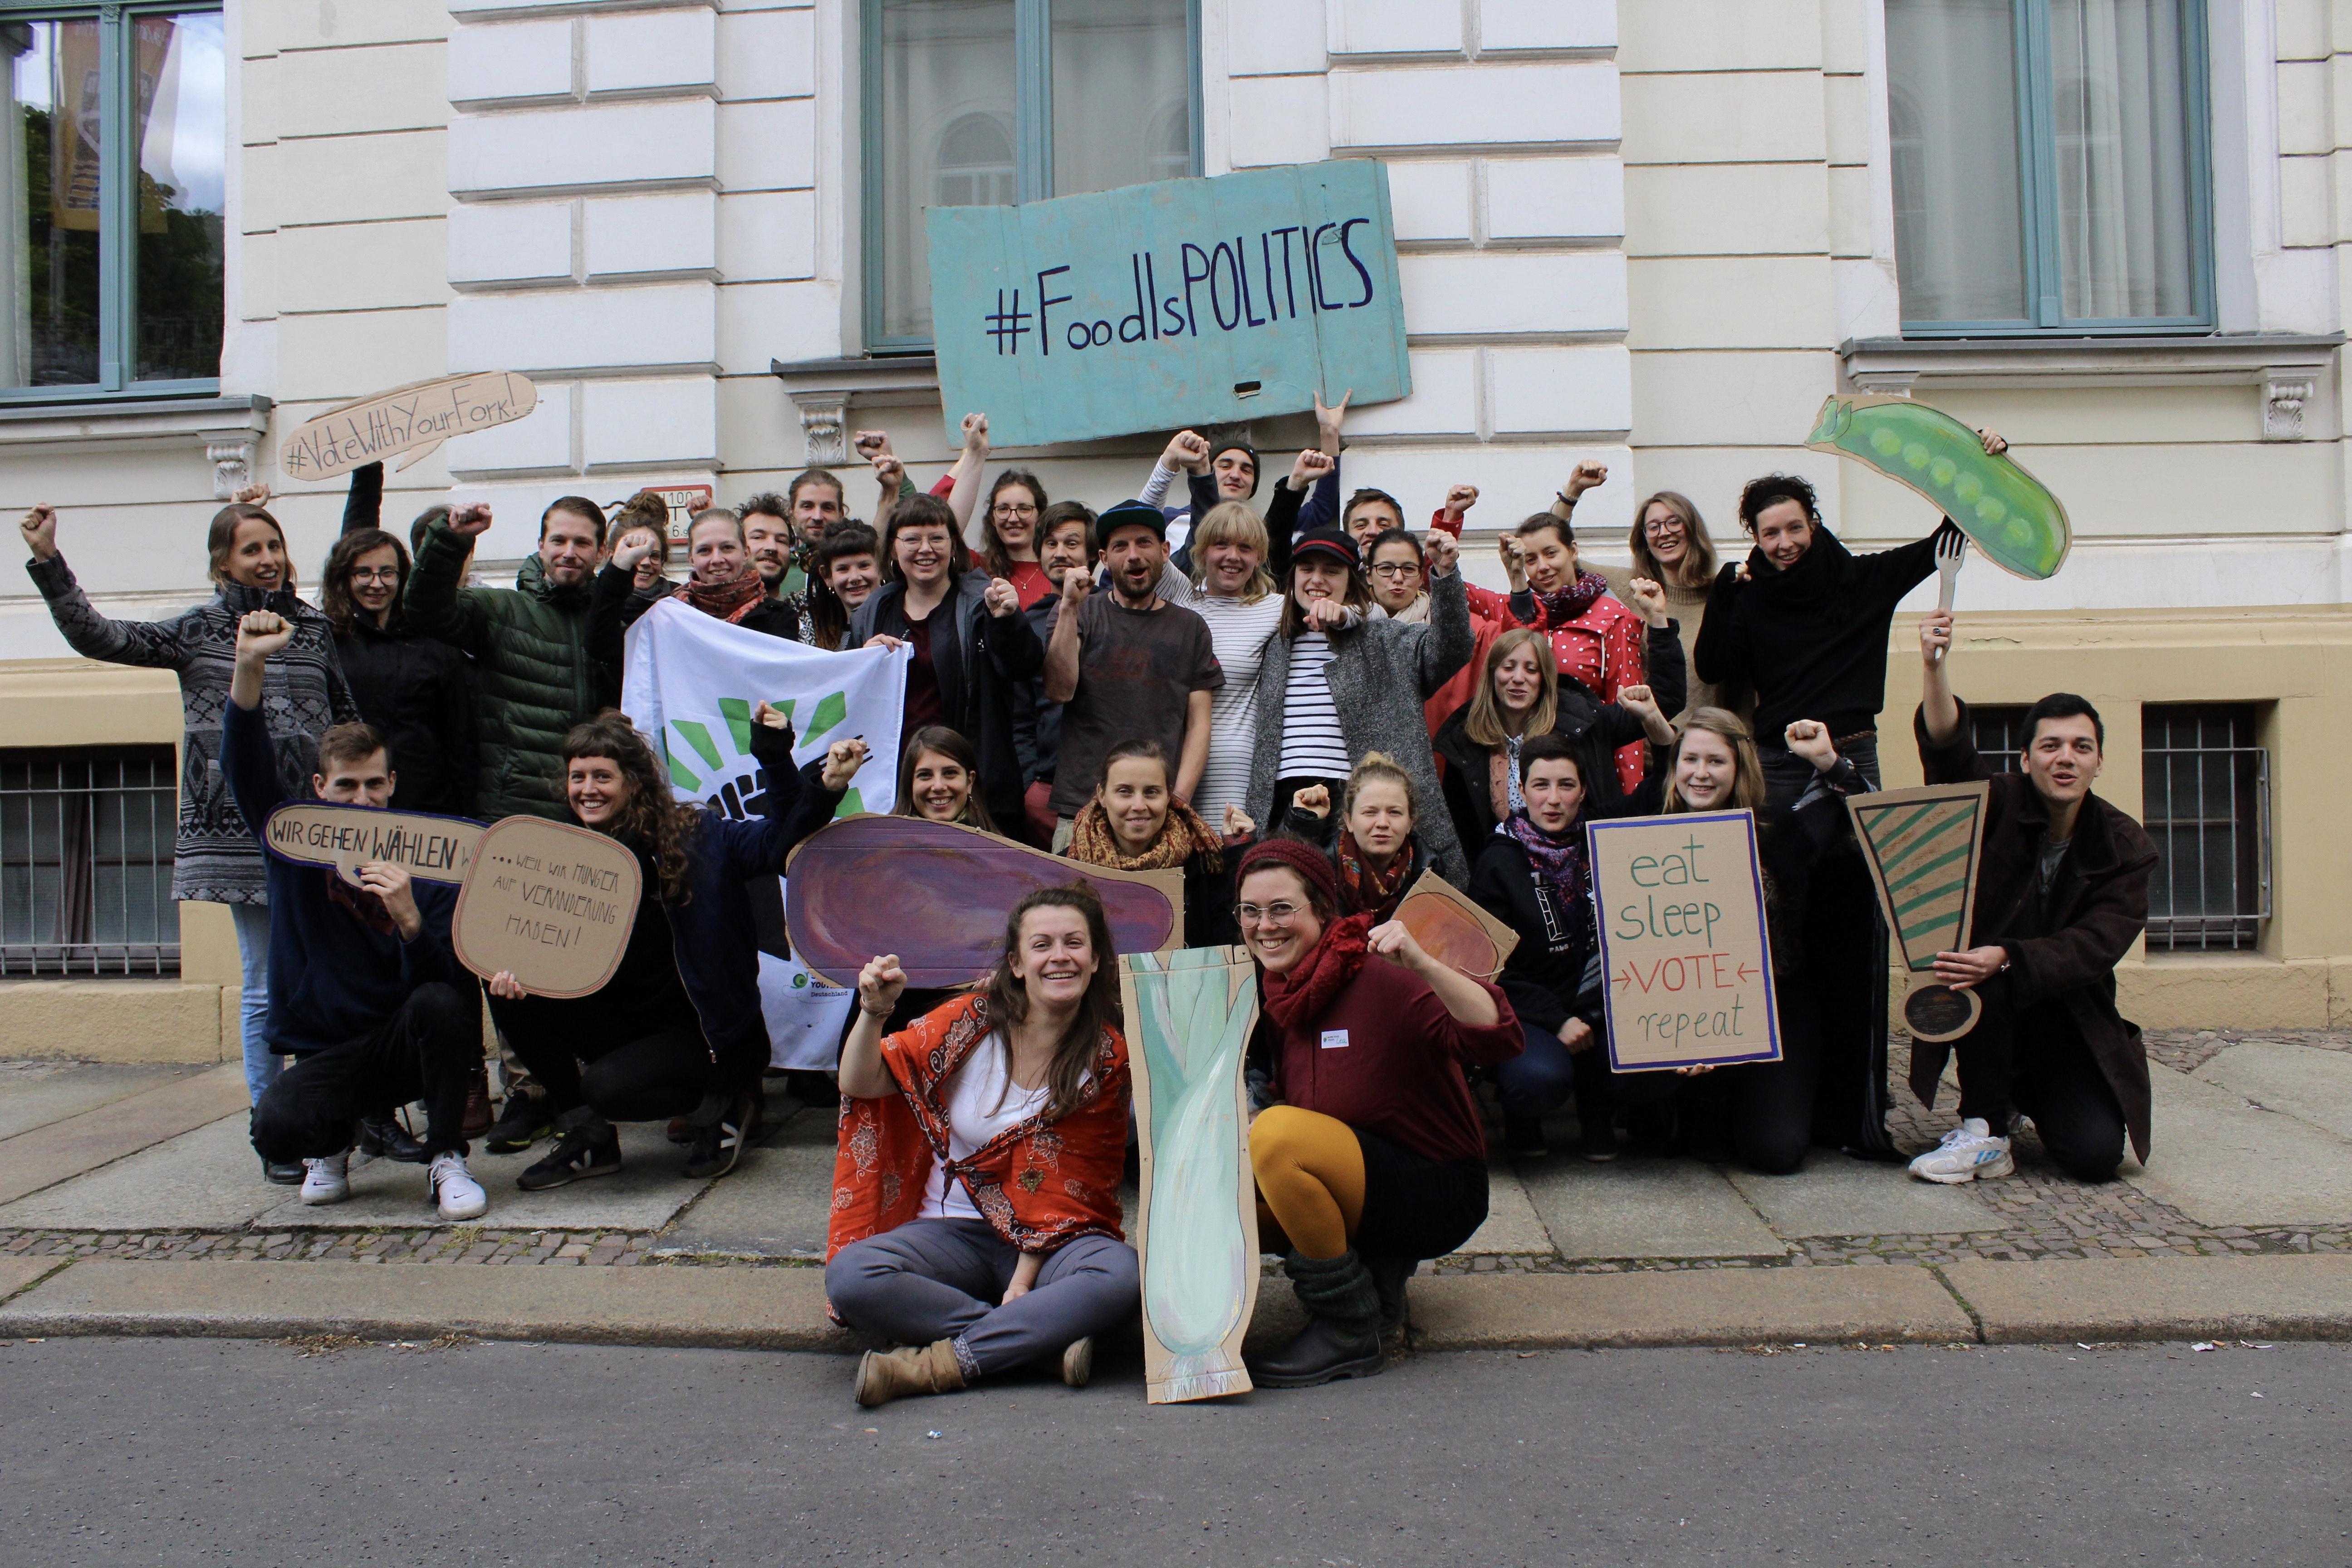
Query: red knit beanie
x=1314, y=868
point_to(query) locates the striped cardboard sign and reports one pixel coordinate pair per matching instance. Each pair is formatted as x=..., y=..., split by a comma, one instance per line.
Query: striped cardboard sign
x=1922, y=846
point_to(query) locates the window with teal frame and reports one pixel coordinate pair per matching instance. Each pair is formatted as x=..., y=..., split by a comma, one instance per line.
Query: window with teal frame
x=2051, y=166
x=993, y=102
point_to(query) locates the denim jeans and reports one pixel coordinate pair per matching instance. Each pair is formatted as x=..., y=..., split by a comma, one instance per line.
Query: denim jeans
x=262, y=1065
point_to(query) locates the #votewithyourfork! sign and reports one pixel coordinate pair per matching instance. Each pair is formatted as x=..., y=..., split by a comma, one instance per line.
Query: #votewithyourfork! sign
x=1685, y=960
x=1180, y=302
x=413, y=418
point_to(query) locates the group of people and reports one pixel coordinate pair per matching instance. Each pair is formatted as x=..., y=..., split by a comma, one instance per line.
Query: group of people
x=1302, y=706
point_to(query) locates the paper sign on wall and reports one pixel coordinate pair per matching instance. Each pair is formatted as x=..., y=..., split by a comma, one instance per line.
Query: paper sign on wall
x=1684, y=955
x=413, y=418
x=342, y=838
x=1180, y=302
x=550, y=903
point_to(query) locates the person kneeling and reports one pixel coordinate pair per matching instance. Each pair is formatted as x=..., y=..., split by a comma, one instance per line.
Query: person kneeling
x=2061, y=896
x=364, y=988
x=975, y=1203
x=1376, y=1159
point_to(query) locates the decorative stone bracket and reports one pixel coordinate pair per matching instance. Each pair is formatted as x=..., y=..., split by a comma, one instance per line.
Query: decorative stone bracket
x=230, y=452
x=2284, y=393
x=824, y=391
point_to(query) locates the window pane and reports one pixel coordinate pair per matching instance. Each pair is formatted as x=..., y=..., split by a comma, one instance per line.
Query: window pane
x=2121, y=119
x=181, y=78
x=948, y=121
x=48, y=180
x=1122, y=94
x=1960, y=236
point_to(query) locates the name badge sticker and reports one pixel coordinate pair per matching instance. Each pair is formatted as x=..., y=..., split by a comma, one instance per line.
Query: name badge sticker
x=1335, y=1039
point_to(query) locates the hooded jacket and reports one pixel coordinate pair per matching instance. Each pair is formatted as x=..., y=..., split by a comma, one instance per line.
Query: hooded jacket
x=215, y=859
x=418, y=692
x=530, y=662
x=2096, y=908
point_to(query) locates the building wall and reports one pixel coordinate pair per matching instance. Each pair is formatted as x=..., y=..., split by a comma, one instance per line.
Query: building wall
x=1655, y=233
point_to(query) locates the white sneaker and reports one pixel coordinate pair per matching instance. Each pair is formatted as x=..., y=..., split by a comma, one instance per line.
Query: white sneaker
x=327, y=1181
x=1969, y=1152
x=455, y=1191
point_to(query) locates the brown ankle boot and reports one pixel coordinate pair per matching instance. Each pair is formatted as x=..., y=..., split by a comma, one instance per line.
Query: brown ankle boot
x=886, y=1375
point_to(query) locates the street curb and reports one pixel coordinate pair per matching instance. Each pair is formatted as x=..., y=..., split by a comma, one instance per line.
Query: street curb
x=2278, y=1298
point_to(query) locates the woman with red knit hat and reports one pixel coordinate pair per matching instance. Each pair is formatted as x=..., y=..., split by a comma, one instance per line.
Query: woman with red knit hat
x=1374, y=1159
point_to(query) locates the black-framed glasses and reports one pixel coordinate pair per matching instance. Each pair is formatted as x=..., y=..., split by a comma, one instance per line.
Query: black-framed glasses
x=1398, y=569
x=376, y=573
x=1014, y=509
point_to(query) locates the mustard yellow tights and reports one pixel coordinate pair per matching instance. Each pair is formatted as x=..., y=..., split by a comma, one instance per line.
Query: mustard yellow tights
x=1310, y=1181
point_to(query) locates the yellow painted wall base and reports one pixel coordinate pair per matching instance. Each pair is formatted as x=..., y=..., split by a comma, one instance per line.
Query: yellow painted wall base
x=119, y=1021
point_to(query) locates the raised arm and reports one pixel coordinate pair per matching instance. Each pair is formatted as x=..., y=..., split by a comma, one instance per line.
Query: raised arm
x=864, y=1074
x=249, y=760
x=1939, y=710
x=1062, y=646
x=151, y=645
x=1450, y=639
x=363, y=502
x=1718, y=652
x=439, y=605
x=1321, y=508
x=967, y=474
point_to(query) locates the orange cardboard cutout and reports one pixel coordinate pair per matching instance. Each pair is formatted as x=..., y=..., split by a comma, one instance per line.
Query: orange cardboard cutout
x=550, y=903
x=1453, y=929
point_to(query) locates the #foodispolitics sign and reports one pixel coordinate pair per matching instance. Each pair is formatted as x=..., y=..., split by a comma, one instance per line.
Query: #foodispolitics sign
x=1178, y=303
x=692, y=681
x=1684, y=953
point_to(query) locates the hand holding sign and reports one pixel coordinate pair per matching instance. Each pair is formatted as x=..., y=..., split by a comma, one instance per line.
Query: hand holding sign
x=547, y=906
x=351, y=840
x=1685, y=956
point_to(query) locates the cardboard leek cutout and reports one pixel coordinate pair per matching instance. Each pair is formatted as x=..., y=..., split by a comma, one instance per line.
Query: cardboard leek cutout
x=1188, y=1015
x=342, y=838
x=549, y=902
x=1922, y=846
x=2016, y=522
x=936, y=893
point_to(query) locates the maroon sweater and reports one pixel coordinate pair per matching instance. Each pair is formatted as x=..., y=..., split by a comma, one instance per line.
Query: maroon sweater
x=1399, y=1073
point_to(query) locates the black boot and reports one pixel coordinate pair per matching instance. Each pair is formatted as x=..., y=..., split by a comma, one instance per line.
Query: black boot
x=1342, y=1337
x=383, y=1137
x=1390, y=1277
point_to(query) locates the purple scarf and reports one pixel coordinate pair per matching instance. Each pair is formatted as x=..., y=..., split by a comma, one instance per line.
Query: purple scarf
x=1561, y=864
x=1562, y=605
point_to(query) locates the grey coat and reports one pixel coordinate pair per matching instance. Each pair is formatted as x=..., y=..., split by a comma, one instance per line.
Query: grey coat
x=1380, y=674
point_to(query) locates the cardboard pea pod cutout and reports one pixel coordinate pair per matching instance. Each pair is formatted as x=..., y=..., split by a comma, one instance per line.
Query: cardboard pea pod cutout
x=2004, y=511
x=548, y=902
x=342, y=838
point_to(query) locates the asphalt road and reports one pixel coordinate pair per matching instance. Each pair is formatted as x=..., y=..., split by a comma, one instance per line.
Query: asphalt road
x=184, y=1452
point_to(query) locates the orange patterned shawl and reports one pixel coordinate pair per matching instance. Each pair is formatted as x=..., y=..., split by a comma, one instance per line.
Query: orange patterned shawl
x=1039, y=1185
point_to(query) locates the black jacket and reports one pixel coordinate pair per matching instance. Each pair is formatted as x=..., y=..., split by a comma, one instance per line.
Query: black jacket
x=1599, y=727
x=1036, y=722
x=418, y=692
x=979, y=670
x=1812, y=640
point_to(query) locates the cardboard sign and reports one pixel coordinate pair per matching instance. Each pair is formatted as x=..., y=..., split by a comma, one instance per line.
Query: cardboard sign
x=550, y=903
x=342, y=838
x=1181, y=303
x=2009, y=515
x=1923, y=848
x=1686, y=958
x=936, y=893
x=1189, y=1016
x=1453, y=929
x=415, y=418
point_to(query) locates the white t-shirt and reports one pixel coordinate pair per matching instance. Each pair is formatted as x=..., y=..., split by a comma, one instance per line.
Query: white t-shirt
x=1313, y=745
x=982, y=1104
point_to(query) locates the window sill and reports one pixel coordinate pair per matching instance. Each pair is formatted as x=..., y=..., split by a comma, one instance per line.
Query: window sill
x=824, y=390
x=230, y=429
x=2289, y=367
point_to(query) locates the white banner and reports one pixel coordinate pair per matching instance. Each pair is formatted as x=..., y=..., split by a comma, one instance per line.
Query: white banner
x=691, y=682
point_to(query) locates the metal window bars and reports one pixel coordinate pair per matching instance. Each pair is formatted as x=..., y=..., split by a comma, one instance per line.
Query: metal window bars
x=86, y=842
x=2207, y=804
x=1999, y=735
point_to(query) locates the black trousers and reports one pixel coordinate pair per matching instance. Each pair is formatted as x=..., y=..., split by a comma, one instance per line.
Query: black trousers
x=619, y=1073
x=428, y=1050
x=1769, y=1105
x=2035, y=1061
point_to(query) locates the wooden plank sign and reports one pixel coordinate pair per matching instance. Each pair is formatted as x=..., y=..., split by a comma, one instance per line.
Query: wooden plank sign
x=1188, y=1015
x=342, y=838
x=552, y=903
x=413, y=418
x=936, y=893
x=1455, y=931
x=1683, y=946
x=1924, y=847
x=1178, y=303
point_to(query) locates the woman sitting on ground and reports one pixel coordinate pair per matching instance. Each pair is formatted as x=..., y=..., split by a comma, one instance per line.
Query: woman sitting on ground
x=945, y=1235
x=1379, y=855
x=1523, y=696
x=678, y=1028
x=1374, y=1160
x=1134, y=823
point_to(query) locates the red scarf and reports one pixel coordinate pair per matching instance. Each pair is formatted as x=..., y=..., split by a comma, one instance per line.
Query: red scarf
x=1299, y=997
x=729, y=601
x=1363, y=889
x=1562, y=605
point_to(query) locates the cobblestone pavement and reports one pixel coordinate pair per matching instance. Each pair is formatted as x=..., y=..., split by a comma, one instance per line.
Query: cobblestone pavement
x=2051, y=1215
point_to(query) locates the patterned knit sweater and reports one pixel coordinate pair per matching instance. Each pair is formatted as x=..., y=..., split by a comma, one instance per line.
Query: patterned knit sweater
x=216, y=859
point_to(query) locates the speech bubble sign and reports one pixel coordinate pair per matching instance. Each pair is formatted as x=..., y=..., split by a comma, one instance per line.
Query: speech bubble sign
x=420, y=415
x=2013, y=519
x=548, y=902
x=342, y=838
x=1685, y=959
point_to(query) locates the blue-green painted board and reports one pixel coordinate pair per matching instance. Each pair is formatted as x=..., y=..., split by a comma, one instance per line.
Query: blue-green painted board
x=1181, y=303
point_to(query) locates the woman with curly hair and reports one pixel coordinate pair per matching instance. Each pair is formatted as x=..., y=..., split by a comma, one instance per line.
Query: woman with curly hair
x=975, y=1203
x=678, y=1029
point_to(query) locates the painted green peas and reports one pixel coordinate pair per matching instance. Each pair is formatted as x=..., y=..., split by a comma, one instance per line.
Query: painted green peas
x=2006, y=511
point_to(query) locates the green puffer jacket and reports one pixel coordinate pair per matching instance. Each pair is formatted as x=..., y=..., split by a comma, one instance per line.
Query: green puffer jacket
x=530, y=647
